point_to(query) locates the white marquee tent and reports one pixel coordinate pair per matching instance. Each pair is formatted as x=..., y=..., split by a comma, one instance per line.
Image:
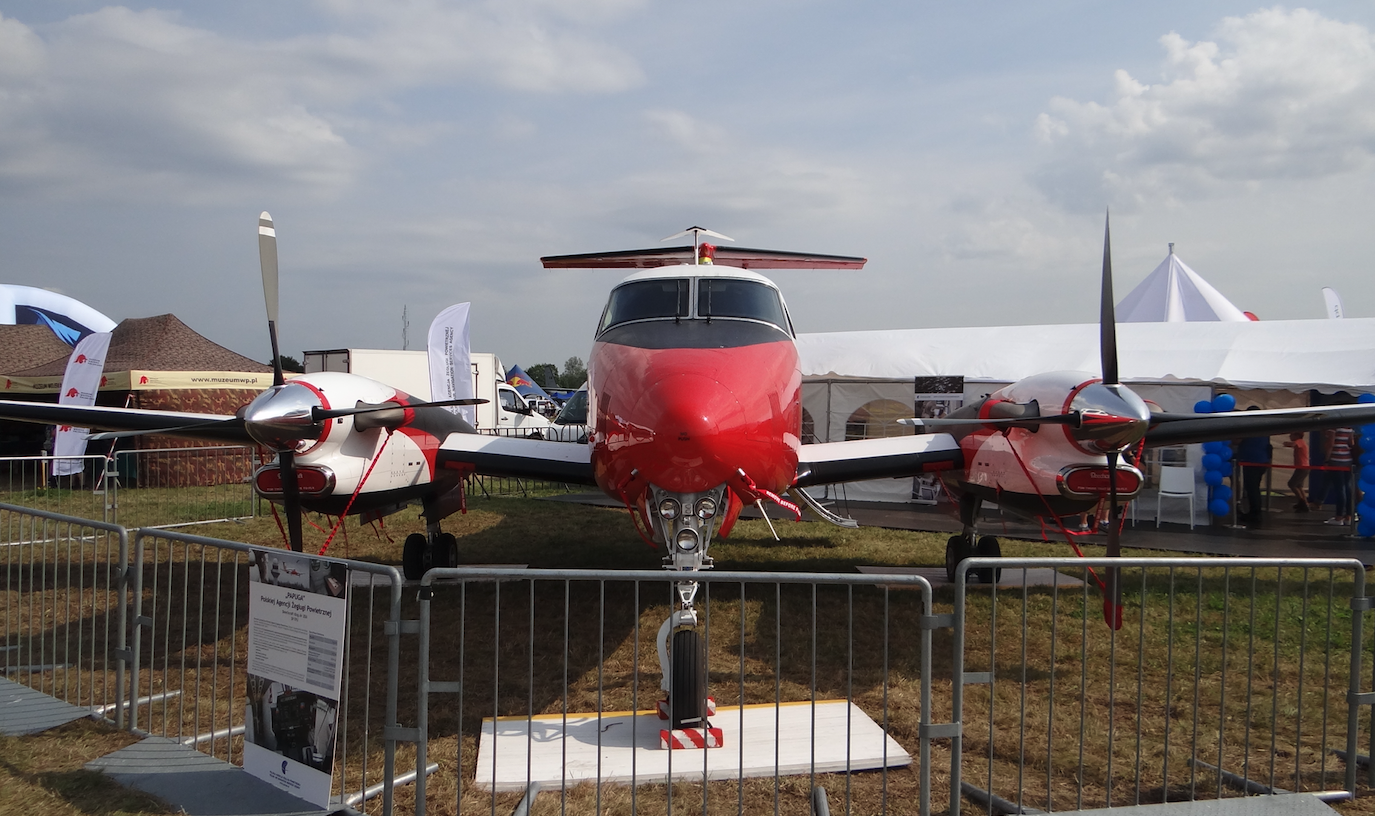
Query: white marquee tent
x=1174, y=293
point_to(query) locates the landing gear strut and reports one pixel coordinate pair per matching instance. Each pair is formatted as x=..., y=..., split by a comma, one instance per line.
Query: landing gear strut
x=962, y=546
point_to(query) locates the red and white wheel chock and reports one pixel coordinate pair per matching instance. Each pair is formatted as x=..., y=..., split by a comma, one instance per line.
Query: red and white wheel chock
x=691, y=738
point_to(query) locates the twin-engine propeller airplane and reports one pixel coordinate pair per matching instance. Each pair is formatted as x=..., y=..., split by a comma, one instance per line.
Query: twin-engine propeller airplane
x=694, y=413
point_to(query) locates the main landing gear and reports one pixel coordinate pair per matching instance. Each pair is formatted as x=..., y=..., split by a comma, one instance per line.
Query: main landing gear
x=962, y=546
x=425, y=551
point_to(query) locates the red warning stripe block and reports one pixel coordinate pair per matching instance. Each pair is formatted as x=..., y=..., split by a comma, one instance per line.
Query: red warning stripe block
x=662, y=708
x=691, y=738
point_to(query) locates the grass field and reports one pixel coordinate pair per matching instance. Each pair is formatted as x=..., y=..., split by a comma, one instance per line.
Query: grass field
x=1186, y=646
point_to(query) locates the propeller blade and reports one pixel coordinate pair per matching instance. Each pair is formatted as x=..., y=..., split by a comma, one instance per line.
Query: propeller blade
x=1074, y=419
x=267, y=258
x=1107, y=317
x=319, y=414
x=223, y=423
x=1112, y=595
x=291, y=499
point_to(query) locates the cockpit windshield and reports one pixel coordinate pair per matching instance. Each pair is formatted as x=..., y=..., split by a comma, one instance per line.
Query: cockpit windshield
x=671, y=298
x=733, y=297
x=644, y=300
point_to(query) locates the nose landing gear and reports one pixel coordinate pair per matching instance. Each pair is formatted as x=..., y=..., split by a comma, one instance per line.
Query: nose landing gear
x=684, y=522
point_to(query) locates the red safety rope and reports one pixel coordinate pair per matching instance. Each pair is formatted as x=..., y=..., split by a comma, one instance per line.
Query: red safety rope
x=376, y=457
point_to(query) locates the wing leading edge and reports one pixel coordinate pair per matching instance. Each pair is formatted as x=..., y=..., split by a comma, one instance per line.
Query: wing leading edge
x=169, y=423
x=831, y=462
x=520, y=458
x=1183, y=429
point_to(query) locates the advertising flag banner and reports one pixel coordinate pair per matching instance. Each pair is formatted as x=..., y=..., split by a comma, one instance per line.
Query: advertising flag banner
x=80, y=383
x=296, y=630
x=451, y=368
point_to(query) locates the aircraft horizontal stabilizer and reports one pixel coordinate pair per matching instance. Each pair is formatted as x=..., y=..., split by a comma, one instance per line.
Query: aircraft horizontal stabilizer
x=741, y=257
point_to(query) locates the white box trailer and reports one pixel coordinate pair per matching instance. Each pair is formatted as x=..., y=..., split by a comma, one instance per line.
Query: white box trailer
x=409, y=371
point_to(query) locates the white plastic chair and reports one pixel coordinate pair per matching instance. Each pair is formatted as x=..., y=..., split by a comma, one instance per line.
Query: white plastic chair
x=1176, y=483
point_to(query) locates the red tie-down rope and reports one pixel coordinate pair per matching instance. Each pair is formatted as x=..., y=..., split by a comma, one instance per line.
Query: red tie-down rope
x=1112, y=611
x=376, y=457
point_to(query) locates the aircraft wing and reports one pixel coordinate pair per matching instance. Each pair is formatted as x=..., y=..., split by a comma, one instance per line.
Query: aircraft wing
x=520, y=458
x=169, y=423
x=1182, y=429
x=830, y=462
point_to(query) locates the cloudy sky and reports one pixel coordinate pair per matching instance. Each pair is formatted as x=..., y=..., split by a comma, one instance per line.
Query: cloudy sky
x=417, y=153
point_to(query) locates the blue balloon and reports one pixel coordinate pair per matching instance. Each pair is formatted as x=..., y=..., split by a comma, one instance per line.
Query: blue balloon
x=1367, y=458
x=1222, y=492
x=1366, y=399
x=1212, y=477
x=1365, y=528
x=1368, y=475
x=1366, y=510
x=1212, y=462
x=1368, y=430
x=1203, y=407
x=1218, y=507
x=1225, y=454
x=1367, y=442
x=1224, y=402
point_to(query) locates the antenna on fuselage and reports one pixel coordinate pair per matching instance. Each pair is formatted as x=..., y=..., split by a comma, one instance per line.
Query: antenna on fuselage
x=697, y=233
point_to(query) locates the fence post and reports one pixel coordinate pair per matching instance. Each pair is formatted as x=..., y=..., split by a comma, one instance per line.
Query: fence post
x=137, y=630
x=122, y=653
x=1360, y=606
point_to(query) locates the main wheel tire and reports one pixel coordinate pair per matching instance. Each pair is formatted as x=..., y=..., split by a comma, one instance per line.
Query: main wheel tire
x=989, y=548
x=446, y=551
x=953, y=556
x=413, y=556
x=687, y=690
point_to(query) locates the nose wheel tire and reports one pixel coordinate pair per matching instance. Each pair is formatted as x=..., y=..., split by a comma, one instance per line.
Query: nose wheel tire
x=687, y=694
x=988, y=548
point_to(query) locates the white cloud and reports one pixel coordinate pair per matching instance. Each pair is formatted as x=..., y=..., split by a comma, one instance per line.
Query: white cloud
x=126, y=104
x=1278, y=94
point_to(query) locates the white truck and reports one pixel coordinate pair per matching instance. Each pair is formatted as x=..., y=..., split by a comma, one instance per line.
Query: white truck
x=505, y=411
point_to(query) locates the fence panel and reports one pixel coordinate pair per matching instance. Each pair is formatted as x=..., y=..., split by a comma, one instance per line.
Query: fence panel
x=65, y=603
x=1228, y=676
x=174, y=487
x=191, y=608
x=543, y=663
x=27, y=481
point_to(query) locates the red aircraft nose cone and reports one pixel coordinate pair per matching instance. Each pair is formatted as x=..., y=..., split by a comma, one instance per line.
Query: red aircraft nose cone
x=693, y=418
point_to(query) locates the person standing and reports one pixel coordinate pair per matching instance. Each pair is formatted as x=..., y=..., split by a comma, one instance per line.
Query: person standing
x=1300, y=474
x=1337, y=453
x=1255, y=455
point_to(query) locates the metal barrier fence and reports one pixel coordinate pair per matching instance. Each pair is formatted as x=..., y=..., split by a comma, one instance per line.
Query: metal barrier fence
x=173, y=487
x=549, y=665
x=165, y=487
x=189, y=654
x=27, y=481
x=1228, y=676
x=65, y=606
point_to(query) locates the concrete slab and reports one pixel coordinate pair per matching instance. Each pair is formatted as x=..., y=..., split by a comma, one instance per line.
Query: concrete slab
x=1010, y=578
x=623, y=746
x=25, y=711
x=1281, y=804
x=198, y=784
